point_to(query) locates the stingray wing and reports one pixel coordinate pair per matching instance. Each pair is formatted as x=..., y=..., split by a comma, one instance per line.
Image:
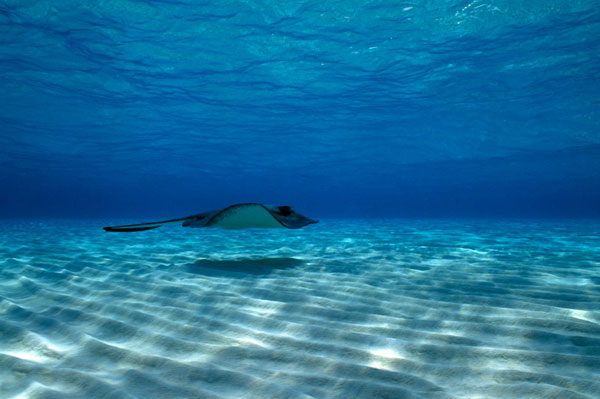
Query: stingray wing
x=152, y=225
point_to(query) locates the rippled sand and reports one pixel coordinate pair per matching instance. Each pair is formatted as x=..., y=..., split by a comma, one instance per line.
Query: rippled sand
x=380, y=309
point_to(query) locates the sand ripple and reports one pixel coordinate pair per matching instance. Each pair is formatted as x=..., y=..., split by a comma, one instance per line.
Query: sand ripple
x=389, y=309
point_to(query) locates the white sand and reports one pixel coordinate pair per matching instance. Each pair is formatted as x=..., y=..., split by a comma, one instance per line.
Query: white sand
x=382, y=309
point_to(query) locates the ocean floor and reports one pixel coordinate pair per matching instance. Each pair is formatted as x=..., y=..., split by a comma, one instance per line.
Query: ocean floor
x=342, y=309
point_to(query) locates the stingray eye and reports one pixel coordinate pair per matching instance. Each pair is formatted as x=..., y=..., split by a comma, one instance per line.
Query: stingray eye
x=285, y=210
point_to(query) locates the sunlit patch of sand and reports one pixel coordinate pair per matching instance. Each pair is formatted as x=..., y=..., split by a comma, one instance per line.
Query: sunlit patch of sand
x=584, y=315
x=262, y=311
x=386, y=353
x=381, y=358
x=251, y=341
x=30, y=356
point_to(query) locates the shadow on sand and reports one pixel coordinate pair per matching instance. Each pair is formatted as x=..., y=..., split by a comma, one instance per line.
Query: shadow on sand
x=260, y=266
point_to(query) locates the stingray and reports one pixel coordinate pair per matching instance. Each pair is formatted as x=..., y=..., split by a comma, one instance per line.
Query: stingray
x=239, y=216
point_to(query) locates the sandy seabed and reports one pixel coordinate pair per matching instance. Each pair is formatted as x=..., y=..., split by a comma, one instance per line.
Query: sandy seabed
x=342, y=309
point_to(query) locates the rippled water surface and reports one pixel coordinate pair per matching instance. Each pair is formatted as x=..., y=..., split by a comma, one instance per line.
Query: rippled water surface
x=362, y=309
x=354, y=107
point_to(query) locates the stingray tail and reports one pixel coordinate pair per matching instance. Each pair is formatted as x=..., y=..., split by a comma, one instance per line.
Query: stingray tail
x=142, y=226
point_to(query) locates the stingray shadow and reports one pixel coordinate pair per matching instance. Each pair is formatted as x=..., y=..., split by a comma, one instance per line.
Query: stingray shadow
x=255, y=266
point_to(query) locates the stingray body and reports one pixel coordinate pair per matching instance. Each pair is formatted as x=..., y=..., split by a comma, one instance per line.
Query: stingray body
x=239, y=216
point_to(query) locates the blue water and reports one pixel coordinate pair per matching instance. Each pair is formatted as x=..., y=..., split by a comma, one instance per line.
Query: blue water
x=354, y=108
x=450, y=149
